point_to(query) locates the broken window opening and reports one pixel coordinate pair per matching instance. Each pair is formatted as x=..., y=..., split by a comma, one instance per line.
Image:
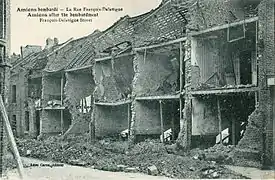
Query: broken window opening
x=226, y=122
x=221, y=63
x=35, y=88
x=151, y=121
x=37, y=122
x=14, y=125
x=160, y=66
x=236, y=33
x=53, y=91
x=27, y=121
x=85, y=104
x=13, y=94
x=113, y=121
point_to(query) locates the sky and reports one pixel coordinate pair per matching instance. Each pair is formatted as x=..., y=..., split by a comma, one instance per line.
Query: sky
x=29, y=31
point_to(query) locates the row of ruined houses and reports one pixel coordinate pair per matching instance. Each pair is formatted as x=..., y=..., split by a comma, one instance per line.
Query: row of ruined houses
x=195, y=72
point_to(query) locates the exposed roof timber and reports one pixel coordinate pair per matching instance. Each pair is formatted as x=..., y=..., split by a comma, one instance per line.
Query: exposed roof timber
x=79, y=68
x=118, y=103
x=110, y=57
x=164, y=97
x=224, y=26
x=3, y=42
x=161, y=44
x=224, y=91
x=53, y=73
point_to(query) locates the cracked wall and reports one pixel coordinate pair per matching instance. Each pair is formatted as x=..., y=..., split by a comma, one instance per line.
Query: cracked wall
x=155, y=74
x=110, y=120
x=51, y=88
x=79, y=85
x=148, y=121
x=50, y=121
x=114, y=79
x=259, y=135
x=18, y=107
x=219, y=63
x=208, y=13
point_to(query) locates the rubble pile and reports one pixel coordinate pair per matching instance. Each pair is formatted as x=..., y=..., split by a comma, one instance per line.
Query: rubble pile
x=218, y=153
x=150, y=157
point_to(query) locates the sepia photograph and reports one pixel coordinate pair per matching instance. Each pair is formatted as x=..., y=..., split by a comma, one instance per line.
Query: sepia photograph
x=142, y=90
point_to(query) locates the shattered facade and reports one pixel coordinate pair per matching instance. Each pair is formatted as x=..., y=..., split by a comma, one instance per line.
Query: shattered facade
x=197, y=73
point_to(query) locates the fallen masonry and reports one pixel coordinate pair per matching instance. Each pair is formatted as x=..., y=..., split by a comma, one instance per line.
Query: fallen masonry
x=150, y=157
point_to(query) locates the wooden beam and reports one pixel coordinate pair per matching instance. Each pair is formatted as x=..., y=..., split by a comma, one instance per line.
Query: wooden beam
x=233, y=136
x=180, y=111
x=181, y=84
x=61, y=99
x=164, y=97
x=220, y=119
x=160, y=44
x=114, y=57
x=181, y=67
x=129, y=119
x=224, y=26
x=144, y=56
x=11, y=139
x=161, y=121
x=54, y=108
x=173, y=121
x=92, y=129
x=79, y=68
x=118, y=103
x=224, y=91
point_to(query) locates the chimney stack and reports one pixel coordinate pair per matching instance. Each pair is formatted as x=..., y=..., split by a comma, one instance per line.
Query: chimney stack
x=49, y=43
x=56, y=42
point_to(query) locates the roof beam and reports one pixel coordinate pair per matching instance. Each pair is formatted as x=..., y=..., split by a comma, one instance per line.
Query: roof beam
x=79, y=68
x=224, y=26
x=161, y=44
x=111, y=57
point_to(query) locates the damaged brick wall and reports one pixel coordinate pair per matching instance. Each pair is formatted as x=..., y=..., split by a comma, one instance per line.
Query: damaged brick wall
x=147, y=117
x=253, y=135
x=51, y=90
x=18, y=107
x=266, y=69
x=205, y=116
x=50, y=122
x=79, y=85
x=110, y=120
x=184, y=138
x=208, y=13
x=154, y=75
x=114, y=79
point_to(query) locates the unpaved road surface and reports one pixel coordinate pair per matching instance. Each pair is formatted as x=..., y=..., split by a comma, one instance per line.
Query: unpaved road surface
x=253, y=173
x=68, y=172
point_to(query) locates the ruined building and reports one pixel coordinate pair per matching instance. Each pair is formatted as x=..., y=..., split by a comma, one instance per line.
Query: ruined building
x=197, y=73
x=4, y=67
